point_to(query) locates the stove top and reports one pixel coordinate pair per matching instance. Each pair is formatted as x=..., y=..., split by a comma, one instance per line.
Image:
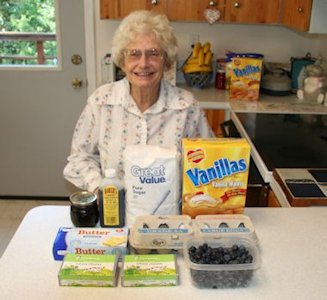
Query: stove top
x=288, y=140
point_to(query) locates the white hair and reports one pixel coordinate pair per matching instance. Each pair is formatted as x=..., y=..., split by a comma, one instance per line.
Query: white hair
x=143, y=21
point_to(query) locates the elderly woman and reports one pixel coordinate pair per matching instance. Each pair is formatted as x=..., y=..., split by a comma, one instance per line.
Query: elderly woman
x=141, y=109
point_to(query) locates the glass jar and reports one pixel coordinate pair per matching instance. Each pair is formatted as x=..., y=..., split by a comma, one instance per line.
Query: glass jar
x=84, y=211
x=220, y=80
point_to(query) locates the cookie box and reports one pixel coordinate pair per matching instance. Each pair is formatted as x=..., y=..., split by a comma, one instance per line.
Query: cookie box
x=234, y=225
x=89, y=270
x=84, y=240
x=222, y=262
x=215, y=176
x=161, y=234
x=149, y=270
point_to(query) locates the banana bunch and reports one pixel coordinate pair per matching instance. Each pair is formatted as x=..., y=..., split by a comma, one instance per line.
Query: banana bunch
x=200, y=60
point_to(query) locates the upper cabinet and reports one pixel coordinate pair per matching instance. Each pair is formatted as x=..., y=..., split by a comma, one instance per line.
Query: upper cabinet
x=118, y=9
x=253, y=11
x=302, y=15
x=193, y=10
x=181, y=10
x=297, y=14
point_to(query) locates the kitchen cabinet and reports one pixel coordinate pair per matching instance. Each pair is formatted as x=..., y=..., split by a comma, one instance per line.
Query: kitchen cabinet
x=186, y=10
x=192, y=10
x=272, y=200
x=253, y=11
x=241, y=11
x=215, y=118
x=118, y=9
x=297, y=14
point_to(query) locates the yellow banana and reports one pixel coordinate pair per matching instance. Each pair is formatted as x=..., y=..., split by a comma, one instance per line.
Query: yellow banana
x=201, y=57
x=197, y=69
x=208, y=58
x=196, y=50
x=206, y=47
x=191, y=61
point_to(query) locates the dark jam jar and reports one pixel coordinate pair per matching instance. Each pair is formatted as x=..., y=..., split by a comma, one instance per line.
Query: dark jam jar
x=84, y=210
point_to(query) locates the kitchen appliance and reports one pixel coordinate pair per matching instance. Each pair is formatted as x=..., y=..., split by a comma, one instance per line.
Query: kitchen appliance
x=297, y=64
x=281, y=141
x=276, y=82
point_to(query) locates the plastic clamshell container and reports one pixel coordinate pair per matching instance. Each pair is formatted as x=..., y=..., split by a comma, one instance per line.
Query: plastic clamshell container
x=233, y=225
x=222, y=275
x=160, y=233
x=149, y=270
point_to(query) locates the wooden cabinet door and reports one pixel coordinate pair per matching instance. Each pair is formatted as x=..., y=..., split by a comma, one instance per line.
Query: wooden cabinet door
x=215, y=118
x=297, y=13
x=118, y=9
x=253, y=11
x=192, y=10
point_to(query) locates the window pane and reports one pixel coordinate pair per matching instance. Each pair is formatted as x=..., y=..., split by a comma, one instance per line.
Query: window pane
x=28, y=32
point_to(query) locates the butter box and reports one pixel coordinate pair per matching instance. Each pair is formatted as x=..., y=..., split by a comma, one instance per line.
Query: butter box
x=149, y=270
x=215, y=176
x=88, y=270
x=84, y=240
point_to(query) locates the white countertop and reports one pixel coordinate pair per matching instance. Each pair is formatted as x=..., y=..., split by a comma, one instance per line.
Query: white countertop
x=212, y=98
x=292, y=244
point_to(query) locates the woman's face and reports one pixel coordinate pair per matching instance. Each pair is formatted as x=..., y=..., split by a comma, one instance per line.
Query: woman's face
x=144, y=61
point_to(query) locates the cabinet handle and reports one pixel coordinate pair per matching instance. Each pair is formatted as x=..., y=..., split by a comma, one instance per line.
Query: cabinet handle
x=212, y=3
x=237, y=5
x=155, y=2
x=300, y=9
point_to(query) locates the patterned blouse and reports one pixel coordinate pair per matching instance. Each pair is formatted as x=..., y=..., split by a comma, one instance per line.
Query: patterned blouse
x=111, y=120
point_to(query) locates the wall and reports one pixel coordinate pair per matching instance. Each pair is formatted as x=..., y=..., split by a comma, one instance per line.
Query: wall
x=277, y=43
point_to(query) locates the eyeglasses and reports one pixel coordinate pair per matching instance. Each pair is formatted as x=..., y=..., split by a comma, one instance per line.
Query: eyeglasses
x=134, y=55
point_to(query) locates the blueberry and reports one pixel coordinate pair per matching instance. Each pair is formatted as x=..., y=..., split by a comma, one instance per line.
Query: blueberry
x=205, y=254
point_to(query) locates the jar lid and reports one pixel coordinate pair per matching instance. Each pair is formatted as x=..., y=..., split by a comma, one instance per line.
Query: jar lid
x=83, y=198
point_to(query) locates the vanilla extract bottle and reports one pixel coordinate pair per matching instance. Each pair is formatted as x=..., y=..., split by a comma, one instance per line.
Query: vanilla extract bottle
x=111, y=200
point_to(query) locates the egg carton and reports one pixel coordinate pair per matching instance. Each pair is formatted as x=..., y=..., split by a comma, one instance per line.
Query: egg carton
x=160, y=234
x=225, y=225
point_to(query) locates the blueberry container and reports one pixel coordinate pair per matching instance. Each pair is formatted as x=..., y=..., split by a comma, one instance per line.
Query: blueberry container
x=225, y=225
x=221, y=263
x=160, y=234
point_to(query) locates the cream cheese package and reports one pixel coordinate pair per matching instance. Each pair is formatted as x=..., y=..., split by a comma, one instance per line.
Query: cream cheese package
x=152, y=181
x=215, y=176
x=149, y=270
x=89, y=270
x=84, y=240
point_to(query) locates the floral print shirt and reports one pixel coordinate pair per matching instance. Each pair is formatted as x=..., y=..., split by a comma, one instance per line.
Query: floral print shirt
x=111, y=120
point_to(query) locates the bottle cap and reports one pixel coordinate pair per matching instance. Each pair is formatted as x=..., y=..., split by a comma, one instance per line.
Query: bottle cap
x=109, y=173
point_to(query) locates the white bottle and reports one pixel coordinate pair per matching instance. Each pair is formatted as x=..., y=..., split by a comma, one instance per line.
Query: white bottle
x=111, y=200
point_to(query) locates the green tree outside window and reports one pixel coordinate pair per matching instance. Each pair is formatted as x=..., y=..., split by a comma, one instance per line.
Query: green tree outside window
x=26, y=16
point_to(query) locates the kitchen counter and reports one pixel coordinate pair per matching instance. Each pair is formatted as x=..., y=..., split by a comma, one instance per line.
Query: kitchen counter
x=292, y=245
x=212, y=98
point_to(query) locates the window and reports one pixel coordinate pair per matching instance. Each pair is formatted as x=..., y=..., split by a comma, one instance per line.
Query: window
x=28, y=32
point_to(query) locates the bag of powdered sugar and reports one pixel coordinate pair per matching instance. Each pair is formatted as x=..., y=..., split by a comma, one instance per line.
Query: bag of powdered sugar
x=152, y=181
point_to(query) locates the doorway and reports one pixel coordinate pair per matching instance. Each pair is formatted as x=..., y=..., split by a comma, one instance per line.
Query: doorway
x=39, y=110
